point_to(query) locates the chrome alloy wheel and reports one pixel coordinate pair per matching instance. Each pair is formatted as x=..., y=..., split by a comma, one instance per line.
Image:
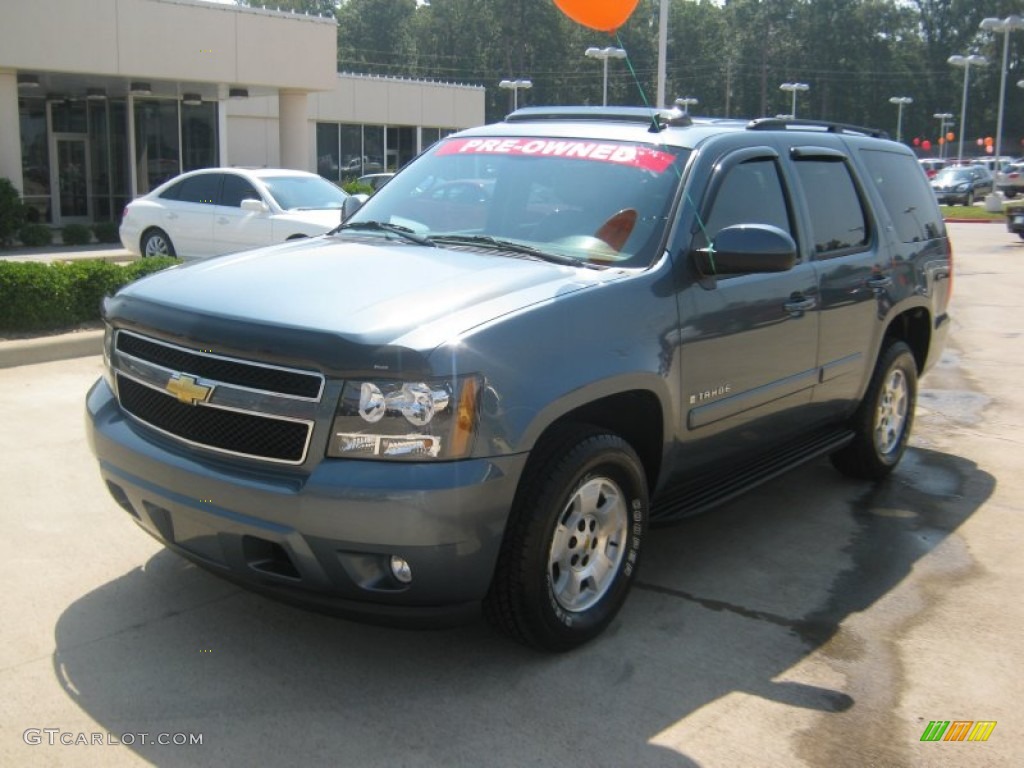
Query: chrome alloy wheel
x=891, y=416
x=156, y=245
x=589, y=543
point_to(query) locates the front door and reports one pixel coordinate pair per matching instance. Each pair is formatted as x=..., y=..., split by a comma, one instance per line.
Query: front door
x=70, y=178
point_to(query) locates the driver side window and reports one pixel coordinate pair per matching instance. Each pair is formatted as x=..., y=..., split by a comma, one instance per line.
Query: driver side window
x=751, y=193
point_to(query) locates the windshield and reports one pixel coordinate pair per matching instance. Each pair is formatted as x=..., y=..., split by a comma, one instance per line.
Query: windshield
x=593, y=201
x=304, y=192
x=950, y=175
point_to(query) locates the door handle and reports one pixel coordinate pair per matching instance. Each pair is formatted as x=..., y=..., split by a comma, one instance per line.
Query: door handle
x=797, y=305
x=222, y=220
x=171, y=215
x=878, y=282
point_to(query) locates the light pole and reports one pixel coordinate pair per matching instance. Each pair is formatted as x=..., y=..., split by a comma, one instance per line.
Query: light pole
x=900, y=102
x=1005, y=26
x=945, y=120
x=515, y=85
x=793, y=88
x=965, y=62
x=604, y=54
x=686, y=102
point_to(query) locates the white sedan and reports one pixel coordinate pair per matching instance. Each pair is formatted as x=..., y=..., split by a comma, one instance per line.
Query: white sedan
x=223, y=210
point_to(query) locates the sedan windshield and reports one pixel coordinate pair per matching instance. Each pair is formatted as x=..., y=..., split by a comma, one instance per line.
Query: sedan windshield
x=600, y=202
x=304, y=192
x=950, y=176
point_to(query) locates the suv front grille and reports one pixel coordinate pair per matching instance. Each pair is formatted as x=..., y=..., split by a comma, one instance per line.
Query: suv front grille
x=244, y=374
x=242, y=408
x=239, y=433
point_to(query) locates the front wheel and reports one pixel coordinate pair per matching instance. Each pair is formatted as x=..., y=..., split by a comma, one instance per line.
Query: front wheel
x=573, y=541
x=969, y=201
x=883, y=421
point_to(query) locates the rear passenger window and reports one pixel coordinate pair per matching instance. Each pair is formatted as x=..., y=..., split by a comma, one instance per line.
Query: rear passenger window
x=838, y=221
x=906, y=194
x=195, y=189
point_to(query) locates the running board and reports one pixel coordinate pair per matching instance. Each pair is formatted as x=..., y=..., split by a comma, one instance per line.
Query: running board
x=699, y=494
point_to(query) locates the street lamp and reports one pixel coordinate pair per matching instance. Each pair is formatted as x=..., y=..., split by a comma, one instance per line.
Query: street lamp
x=900, y=101
x=515, y=85
x=945, y=120
x=604, y=54
x=1005, y=26
x=686, y=102
x=965, y=62
x=793, y=88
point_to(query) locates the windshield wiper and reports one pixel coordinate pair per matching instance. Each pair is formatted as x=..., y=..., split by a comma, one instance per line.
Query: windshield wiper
x=383, y=226
x=514, y=247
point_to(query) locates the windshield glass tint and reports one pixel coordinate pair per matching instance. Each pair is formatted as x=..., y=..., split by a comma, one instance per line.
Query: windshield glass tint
x=950, y=176
x=601, y=201
x=293, y=192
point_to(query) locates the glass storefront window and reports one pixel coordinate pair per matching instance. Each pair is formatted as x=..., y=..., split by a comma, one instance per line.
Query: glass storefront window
x=35, y=157
x=68, y=116
x=156, y=142
x=350, y=142
x=328, y=159
x=199, y=135
x=373, y=149
x=401, y=146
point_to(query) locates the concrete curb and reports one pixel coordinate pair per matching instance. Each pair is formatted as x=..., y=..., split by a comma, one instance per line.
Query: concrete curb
x=49, y=348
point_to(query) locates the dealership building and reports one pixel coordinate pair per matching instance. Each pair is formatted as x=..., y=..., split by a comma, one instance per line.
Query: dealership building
x=101, y=101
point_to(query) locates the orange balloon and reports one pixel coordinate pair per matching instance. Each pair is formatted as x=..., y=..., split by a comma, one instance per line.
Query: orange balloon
x=602, y=15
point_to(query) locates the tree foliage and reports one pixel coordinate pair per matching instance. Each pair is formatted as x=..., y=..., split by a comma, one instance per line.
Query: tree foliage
x=730, y=54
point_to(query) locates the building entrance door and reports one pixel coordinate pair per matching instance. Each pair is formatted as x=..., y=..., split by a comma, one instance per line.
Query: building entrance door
x=70, y=178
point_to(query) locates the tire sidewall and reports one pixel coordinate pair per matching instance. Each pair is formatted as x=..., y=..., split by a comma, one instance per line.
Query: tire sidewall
x=563, y=628
x=903, y=360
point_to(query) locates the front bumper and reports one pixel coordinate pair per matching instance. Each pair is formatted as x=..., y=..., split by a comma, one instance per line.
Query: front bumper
x=324, y=539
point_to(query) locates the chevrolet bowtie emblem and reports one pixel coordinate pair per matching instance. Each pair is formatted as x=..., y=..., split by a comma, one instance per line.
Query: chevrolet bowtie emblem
x=187, y=390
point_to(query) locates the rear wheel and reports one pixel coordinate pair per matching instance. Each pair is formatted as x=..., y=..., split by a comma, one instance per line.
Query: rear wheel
x=572, y=544
x=884, y=419
x=155, y=242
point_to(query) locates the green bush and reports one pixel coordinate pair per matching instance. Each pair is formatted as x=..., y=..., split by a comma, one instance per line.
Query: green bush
x=355, y=188
x=36, y=296
x=106, y=232
x=76, y=234
x=12, y=211
x=35, y=235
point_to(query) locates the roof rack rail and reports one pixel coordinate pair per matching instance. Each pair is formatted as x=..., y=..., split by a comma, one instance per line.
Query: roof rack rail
x=781, y=124
x=657, y=119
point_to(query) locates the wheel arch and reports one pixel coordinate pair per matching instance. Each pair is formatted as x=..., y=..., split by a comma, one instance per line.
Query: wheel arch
x=637, y=415
x=914, y=328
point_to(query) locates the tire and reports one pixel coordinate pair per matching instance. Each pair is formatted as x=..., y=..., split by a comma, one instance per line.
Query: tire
x=883, y=422
x=1020, y=235
x=969, y=200
x=1010, y=193
x=155, y=242
x=572, y=544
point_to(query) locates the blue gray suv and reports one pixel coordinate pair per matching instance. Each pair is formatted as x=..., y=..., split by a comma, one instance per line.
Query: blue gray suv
x=538, y=338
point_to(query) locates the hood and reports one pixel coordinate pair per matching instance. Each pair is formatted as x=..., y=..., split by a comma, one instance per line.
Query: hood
x=367, y=293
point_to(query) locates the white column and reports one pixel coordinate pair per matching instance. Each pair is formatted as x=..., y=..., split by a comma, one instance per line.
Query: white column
x=293, y=129
x=10, y=130
x=222, y=133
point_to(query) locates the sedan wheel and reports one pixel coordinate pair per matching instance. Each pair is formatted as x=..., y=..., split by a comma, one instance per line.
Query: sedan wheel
x=156, y=243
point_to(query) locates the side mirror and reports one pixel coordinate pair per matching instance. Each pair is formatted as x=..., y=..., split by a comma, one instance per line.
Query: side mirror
x=352, y=204
x=254, y=206
x=746, y=248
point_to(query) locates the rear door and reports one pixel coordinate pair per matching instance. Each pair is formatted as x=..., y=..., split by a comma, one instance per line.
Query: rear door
x=187, y=215
x=748, y=342
x=855, y=272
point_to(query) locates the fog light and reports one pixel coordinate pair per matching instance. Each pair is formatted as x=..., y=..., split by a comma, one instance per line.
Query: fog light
x=400, y=569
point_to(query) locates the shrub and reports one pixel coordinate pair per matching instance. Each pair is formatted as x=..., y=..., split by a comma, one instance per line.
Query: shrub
x=36, y=296
x=12, y=211
x=76, y=234
x=355, y=188
x=35, y=235
x=106, y=232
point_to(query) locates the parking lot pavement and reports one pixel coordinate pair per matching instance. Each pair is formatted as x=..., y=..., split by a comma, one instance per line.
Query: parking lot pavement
x=816, y=622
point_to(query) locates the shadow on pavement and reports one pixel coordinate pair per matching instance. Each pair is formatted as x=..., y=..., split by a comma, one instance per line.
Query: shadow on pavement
x=726, y=603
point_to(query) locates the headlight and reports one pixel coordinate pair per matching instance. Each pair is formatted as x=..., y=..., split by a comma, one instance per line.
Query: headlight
x=405, y=420
x=963, y=187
